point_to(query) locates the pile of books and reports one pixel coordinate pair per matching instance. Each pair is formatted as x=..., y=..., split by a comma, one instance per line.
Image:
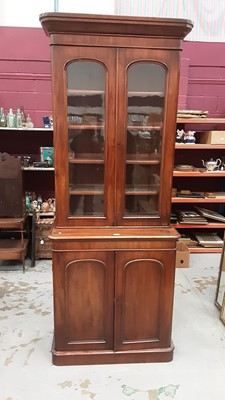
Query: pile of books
x=198, y=216
x=189, y=240
x=191, y=114
x=210, y=214
x=208, y=239
x=190, y=217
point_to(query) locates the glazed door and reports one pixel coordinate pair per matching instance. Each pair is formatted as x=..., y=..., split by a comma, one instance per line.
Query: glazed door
x=146, y=93
x=144, y=299
x=84, y=110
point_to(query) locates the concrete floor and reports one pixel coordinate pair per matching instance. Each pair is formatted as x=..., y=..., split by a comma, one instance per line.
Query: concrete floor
x=26, y=329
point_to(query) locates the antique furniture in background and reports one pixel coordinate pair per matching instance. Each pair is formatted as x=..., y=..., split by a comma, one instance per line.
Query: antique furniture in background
x=115, y=89
x=13, y=244
x=200, y=180
x=27, y=144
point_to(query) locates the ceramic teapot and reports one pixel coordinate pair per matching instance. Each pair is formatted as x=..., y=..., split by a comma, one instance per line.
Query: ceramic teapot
x=211, y=165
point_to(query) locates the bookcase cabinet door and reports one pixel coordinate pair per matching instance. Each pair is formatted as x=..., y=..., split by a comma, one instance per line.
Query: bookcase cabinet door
x=144, y=299
x=144, y=162
x=83, y=300
x=85, y=142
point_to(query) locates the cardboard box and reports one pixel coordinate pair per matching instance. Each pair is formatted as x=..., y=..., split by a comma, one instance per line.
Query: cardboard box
x=212, y=137
x=182, y=255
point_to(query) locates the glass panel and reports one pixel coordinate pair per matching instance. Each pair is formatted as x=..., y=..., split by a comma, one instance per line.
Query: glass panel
x=86, y=144
x=86, y=137
x=86, y=189
x=146, y=88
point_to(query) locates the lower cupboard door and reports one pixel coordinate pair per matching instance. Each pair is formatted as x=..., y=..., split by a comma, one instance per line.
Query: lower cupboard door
x=83, y=300
x=144, y=299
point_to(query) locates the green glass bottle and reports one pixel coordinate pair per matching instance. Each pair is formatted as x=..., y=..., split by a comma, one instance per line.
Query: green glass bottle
x=23, y=116
x=2, y=117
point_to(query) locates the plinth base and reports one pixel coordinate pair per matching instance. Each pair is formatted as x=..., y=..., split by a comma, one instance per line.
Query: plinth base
x=155, y=355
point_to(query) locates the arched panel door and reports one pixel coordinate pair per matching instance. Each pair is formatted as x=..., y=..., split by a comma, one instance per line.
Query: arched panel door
x=85, y=304
x=144, y=285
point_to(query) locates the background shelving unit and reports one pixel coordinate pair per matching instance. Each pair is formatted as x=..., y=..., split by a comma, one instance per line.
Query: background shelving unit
x=199, y=180
x=27, y=142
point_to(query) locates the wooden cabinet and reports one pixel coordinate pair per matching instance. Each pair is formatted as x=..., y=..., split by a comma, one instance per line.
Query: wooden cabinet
x=114, y=96
x=200, y=180
x=116, y=297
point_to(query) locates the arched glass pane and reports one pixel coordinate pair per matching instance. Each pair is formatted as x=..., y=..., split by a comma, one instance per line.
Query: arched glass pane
x=146, y=90
x=86, y=137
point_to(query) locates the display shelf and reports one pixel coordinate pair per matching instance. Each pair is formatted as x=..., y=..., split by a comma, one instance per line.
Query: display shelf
x=199, y=146
x=84, y=92
x=212, y=121
x=85, y=126
x=40, y=214
x=199, y=180
x=21, y=142
x=199, y=174
x=195, y=200
x=144, y=94
x=143, y=159
x=210, y=225
x=86, y=161
x=27, y=142
x=37, y=169
x=26, y=129
x=133, y=127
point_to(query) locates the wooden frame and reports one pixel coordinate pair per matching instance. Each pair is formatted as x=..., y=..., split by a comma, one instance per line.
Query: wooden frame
x=220, y=293
x=222, y=312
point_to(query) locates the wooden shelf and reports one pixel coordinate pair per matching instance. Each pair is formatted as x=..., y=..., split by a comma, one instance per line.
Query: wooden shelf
x=198, y=146
x=198, y=174
x=11, y=249
x=200, y=120
x=84, y=92
x=12, y=223
x=86, y=161
x=198, y=199
x=141, y=161
x=144, y=94
x=86, y=126
x=40, y=214
x=89, y=190
x=26, y=129
x=14, y=249
x=144, y=127
x=205, y=249
x=141, y=192
x=38, y=169
x=210, y=225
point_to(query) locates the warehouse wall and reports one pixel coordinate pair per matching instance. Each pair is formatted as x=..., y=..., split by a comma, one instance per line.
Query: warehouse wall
x=25, y=73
